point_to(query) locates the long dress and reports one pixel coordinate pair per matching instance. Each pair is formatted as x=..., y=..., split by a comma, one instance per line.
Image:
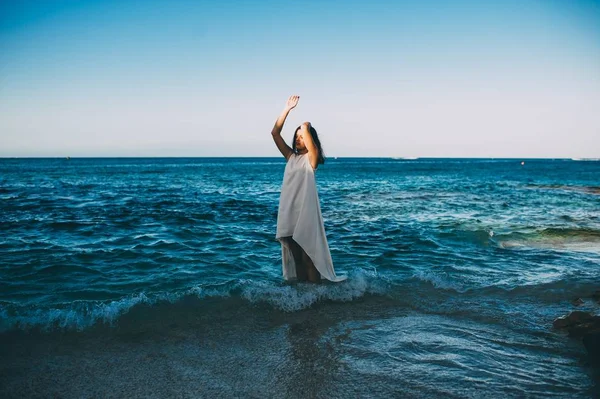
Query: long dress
x=300, y=217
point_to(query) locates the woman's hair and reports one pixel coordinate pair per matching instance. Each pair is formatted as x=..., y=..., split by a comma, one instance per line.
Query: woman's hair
x=315, y=137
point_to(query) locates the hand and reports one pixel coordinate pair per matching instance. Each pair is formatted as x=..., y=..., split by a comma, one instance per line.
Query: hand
x=292, y=102
x=305, y=126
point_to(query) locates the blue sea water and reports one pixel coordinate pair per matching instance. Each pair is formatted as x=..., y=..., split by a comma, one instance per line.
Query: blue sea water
x=457, y=267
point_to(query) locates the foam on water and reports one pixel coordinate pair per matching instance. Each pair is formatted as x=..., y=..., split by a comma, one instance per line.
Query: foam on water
x=80, y=315
x=303, y=295
x=561, y=239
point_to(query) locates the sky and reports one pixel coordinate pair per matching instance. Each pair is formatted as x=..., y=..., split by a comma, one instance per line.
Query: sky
x=376, y=79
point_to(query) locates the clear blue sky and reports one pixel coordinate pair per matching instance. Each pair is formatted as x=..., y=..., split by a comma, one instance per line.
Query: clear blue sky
x=379, y=78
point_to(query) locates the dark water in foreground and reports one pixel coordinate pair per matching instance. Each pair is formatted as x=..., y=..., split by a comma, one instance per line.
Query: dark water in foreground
x=456, y=270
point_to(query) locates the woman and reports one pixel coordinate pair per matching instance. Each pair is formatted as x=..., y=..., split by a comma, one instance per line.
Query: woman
x=305, y=252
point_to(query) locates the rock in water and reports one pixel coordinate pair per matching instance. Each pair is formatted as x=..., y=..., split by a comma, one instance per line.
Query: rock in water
x=572, y=319
x=577, y=302
x=591, y=342
x=586, y=326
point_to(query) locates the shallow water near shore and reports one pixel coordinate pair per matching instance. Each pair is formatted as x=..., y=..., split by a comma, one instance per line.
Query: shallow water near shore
x=162, y=277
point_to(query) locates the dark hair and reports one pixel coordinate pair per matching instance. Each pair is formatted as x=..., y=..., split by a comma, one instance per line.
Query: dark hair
x=315, y=137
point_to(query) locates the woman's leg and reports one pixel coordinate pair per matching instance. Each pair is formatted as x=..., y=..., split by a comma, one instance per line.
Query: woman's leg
x=313, y=274
x=297, y=253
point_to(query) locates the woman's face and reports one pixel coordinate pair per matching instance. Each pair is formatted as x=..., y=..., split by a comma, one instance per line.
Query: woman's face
x=300, y=141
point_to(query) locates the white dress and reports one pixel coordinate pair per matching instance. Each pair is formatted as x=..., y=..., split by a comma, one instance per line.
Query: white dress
x=300, y=217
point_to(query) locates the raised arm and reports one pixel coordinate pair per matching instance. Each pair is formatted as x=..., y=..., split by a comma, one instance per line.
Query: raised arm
x=285, y=149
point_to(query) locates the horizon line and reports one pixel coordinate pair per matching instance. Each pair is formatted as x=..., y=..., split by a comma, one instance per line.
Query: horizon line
x=272, y=157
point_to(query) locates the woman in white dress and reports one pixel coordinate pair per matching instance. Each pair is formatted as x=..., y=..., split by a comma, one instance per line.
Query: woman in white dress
x=300, y=229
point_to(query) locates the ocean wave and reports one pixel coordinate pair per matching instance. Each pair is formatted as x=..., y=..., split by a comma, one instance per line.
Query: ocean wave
x=559, y=238
x=480, y=236
x=581, y=189
x=57, y=270
x=439, y=280
x=293, y=298
x=573, y=239
x=551, y=290
x=80, y=315
x=161, y=244
x=422, y=287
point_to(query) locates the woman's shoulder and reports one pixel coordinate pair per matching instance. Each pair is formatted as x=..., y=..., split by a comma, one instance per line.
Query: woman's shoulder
x=291, y=157
x=300, y=159
x=297, y=157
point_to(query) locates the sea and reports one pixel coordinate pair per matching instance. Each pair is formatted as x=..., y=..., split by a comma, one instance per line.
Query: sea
x=161, y=277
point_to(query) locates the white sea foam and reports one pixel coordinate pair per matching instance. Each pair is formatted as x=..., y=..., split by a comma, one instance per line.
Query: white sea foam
x=80, y=315
x=303, y=295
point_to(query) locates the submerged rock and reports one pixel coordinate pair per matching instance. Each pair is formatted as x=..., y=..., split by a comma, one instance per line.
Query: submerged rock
x=584, y=326
x=591, y=342
x=577, y=302
x=573, y=319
